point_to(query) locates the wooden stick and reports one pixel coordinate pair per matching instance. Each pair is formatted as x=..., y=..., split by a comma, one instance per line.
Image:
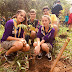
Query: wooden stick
x=59, y=55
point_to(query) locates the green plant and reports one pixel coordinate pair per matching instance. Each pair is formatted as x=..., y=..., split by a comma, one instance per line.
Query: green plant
x=1, y=30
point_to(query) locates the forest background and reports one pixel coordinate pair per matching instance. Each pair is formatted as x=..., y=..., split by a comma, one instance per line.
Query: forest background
x=9, y=7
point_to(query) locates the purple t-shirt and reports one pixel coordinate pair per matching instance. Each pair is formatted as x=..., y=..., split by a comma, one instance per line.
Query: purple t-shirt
x=48, y=37
x=9, y=31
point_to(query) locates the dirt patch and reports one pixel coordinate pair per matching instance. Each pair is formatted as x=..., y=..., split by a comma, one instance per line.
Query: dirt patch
x=63, y=36
x=43, y=65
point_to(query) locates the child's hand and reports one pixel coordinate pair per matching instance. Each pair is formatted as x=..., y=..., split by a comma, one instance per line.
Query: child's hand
x=23, y=41
x=36, y=29
x=37, y=50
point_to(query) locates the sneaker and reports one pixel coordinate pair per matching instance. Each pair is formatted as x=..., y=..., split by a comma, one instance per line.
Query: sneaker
x=8, y=58
x=39, y=56
x=13, y=54
x=49, y=56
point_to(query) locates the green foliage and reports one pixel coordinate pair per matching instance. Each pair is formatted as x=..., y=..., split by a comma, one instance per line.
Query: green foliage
x=27, y=28
x=20, y=66
x=24, y=27
x=9, y=7
x=1, y=30
x=23, y=64
x=60, y=42
x=20, y=62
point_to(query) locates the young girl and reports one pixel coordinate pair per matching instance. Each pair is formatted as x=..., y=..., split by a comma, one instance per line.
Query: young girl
x=45, y=37
x=12, y=39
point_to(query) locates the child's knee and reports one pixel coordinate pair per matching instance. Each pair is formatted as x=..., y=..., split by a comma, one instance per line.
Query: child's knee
x=44, y=46
x=27, y=47
x=18, y=45
x=35, y=44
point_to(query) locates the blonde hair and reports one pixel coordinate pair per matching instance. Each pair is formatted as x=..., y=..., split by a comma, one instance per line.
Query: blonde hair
x=48, y=17
x=32, y=11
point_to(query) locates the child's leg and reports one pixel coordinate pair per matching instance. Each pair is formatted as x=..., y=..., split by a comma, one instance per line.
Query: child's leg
x=16, y=47
x=45, y=47
x=26, y=48
x=64, y=23
x=33, y=36
x=67, y=24
x=35, y=44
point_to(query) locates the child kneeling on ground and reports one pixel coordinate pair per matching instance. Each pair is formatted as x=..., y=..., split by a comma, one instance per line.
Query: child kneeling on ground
x=35, y=24
x=45, y=37
x=12, y=39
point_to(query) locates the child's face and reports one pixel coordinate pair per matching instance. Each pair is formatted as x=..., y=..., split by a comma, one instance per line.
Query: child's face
x=45, y=11
x=45, y=21
x=32, y=16
x=21, y=17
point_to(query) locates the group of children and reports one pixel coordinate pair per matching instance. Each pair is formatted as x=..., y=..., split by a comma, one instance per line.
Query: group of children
x=15, y=40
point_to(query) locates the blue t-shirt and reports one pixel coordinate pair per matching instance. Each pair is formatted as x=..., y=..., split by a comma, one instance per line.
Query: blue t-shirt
x=66, y=18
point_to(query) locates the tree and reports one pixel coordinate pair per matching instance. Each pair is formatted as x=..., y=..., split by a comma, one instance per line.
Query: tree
x=9, y=7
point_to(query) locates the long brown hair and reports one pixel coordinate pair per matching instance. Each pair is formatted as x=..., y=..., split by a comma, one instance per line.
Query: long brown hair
x=19, y=11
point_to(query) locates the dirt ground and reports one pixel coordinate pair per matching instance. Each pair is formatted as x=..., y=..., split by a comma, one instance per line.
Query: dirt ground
x=43, y=65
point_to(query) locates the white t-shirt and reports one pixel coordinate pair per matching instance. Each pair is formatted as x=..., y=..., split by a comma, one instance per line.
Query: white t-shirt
x=70, y=10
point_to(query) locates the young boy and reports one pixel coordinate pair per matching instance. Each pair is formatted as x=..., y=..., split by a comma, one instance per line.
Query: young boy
x=35, y=23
